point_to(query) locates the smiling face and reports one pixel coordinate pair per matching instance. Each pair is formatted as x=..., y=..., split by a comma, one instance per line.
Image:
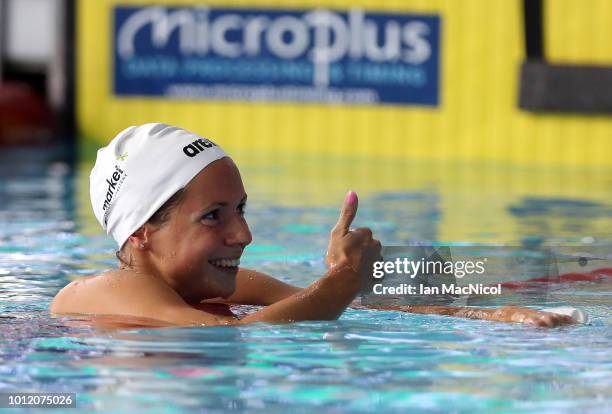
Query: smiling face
x=196, y=250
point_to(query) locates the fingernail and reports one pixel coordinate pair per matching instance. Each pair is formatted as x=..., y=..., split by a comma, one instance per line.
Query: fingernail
x=350, y=198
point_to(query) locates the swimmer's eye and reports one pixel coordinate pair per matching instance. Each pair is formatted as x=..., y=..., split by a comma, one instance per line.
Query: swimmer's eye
x=214, y=215
x=211, y=215
x=242, y=209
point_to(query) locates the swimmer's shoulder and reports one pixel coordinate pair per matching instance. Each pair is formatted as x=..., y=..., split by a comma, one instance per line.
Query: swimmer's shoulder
x=121, y=292
x=115, y=291
x=76, y=297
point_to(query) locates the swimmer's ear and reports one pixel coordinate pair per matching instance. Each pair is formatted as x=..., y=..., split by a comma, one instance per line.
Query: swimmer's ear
x=140, y=238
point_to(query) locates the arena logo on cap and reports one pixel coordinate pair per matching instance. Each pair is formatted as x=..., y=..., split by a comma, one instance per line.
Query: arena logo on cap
x=197, y=147
x=352, y=56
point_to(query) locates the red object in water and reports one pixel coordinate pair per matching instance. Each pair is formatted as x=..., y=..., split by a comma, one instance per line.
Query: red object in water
x=604, y=271
x=597, y=274
x=25, y=117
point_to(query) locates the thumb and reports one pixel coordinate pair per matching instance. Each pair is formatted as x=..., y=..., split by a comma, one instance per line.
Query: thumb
x=347, y=214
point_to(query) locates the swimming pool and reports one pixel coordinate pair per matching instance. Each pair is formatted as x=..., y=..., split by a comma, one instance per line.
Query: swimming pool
x=368, y=360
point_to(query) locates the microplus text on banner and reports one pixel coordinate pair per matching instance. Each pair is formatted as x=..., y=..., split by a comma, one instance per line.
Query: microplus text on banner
x=317, y=55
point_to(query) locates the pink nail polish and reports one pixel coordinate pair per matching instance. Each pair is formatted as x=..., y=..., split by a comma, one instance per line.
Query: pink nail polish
x=350, y=198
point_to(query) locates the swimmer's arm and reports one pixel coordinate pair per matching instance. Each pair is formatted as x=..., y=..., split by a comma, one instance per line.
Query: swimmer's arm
x=256, y=288
x=325, y=299
x=512, y=314
x=504, y=314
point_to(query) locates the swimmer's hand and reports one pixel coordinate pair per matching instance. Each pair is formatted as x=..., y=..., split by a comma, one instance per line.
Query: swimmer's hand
x=327, y=297
x=512, y=314
x=531, y=317
x=346, y=246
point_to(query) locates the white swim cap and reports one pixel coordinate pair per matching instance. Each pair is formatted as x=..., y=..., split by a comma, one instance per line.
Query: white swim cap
x=141, y=168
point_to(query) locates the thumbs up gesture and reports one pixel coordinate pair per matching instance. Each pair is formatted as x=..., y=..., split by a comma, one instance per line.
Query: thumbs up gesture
x=346, y=246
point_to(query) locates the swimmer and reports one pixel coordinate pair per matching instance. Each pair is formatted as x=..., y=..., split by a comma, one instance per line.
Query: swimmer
x=174, y=203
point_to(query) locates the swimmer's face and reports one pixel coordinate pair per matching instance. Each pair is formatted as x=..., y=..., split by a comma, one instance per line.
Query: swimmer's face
x=203, y=234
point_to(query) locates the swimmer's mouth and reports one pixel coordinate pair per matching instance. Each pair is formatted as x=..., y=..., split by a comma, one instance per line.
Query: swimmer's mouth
x=225, y=262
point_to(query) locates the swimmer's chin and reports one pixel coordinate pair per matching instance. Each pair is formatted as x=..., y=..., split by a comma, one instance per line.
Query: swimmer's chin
x=217, y=297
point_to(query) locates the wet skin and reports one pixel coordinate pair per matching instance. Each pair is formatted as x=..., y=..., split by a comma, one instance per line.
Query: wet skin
x=176, y=263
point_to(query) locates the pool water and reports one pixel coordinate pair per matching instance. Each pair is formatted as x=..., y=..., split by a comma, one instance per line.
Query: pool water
x=368, y=361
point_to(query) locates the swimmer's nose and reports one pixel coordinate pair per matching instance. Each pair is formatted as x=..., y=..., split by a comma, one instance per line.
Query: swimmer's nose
x=238, y=233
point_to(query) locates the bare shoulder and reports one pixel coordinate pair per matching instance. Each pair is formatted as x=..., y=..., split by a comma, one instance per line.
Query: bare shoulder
x=117, y=292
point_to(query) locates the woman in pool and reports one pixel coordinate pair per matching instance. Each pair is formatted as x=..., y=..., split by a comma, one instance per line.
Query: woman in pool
x=174, y=203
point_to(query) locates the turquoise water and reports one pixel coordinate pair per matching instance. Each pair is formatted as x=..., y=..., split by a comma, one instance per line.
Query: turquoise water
x=368, y=361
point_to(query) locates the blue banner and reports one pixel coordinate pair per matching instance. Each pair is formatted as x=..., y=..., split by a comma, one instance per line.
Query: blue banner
x=314, y=55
